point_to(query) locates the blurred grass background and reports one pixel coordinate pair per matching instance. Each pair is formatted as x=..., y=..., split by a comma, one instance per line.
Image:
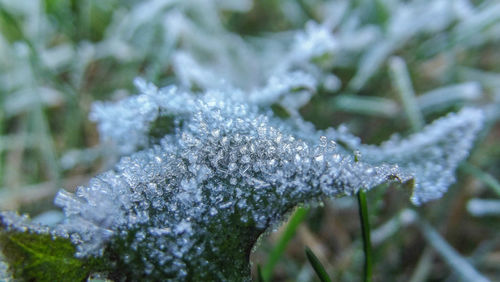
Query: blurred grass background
x=58, y=56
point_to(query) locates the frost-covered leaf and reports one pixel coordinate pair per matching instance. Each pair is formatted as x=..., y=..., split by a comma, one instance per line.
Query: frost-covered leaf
x=126, y=124
x=197, y=201
x=200, y=194
x=443, y=97
x=216, y=168
x=33, y=254
x=431, y=155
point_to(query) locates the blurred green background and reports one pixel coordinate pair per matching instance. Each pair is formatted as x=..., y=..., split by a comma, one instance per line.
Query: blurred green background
x=58, y=56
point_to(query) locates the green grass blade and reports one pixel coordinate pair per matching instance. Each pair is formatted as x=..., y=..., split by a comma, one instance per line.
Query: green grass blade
x=275, y=255
x=259, y=274
x=401, y=79
x=317, y=266
x=450, y=256
x=366, y=105
x=47, y=147
x=365, y=229
x=484, y=177
x=1, y=141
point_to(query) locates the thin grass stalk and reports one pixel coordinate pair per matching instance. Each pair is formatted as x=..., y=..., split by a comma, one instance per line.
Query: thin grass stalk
x=317, y=266
x=450, y=256
x=401, y=80
x=298, y=216
x=486, y=178
x=365, y=230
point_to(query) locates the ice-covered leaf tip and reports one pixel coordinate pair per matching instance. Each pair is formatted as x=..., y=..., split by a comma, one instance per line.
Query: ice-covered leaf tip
x=431, y=155
x=196, y=200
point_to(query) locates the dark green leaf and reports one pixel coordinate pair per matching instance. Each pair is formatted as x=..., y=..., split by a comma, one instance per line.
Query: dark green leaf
x=39, y=257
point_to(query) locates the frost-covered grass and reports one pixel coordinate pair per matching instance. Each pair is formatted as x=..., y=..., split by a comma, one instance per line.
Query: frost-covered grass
x=237, y=134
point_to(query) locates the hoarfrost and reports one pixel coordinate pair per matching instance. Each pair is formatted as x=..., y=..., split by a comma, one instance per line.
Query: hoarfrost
x=126, y=124
x=227, y=172
x=229, y=169
x=431, y=155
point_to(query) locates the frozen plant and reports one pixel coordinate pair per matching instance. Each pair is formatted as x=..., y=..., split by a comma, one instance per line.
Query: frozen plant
x=432, y=155
x=196, y=200
x=127, y=123
x=206, y=167
x=200, y=198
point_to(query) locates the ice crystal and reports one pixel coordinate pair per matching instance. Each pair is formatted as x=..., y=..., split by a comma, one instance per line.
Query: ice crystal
x=12, y=221
x=431, y=155
x=127, y=123
x=199, y=197
x=190, y=200
x=227, y=173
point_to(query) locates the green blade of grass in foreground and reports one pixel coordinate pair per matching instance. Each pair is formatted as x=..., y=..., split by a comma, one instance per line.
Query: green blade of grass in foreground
x=259, y=274
x=365, y=229
x=317, y=266
x=298, y=216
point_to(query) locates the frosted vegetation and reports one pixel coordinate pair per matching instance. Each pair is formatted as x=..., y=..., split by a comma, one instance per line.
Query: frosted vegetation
x=198, y=198
x=221, y=152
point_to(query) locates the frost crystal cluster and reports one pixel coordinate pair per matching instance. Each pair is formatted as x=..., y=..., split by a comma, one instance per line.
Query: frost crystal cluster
x=198, y=198
x=205, y=166
x=431, y=155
